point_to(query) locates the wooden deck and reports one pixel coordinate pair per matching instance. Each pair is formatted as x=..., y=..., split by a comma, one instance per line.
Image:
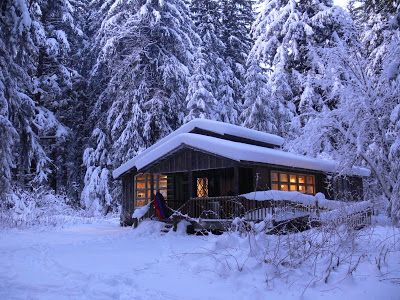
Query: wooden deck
x=218, y=213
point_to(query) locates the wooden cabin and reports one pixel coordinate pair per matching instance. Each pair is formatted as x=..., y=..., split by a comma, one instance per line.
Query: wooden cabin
x=206, y=159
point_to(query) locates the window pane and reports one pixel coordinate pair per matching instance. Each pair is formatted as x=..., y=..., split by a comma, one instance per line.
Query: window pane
x=274, y=176
x=202, y=187
x=275, y=186
x=283, y=177
x=293, y=187
x=302, y=189
x=141, y=202
x=310, y=179
x=310, y=189
x=302, y=179
x=141, y=194
x=293, y=178
x=284, y=187
x=162, y=184
x=140, y=185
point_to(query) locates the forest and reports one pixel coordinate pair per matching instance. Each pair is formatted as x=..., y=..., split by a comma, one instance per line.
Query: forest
x=87, y=84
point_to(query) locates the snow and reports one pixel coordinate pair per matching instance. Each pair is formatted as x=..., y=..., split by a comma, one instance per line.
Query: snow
x=141, y=211
x=235, y=151
x=210, y=125
x=294, y=197
x=346, y=210
x=104, y=261
x=337, y=209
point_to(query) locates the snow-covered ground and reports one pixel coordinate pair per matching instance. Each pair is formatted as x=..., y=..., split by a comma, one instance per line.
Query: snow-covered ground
x=104, y=261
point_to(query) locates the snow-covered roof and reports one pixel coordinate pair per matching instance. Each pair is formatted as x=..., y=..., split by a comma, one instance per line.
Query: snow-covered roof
x=235, y=151
x=220, y=128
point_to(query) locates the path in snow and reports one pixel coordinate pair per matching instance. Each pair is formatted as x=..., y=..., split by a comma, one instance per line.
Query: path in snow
x=105, y=261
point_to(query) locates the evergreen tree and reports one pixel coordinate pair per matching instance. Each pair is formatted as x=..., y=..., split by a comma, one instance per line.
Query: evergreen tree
x=260, y=111
x=24, y=119
x=207, y=18
x=147, y=47
x=237, y=18
x=59, y=87
x=200, y=99
x=289, y=35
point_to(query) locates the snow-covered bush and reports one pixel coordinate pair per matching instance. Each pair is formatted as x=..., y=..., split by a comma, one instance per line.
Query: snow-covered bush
x=323, y=255
x=38, y=207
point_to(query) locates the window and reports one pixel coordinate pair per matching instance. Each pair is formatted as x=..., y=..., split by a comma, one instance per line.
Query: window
x=293, y=182
x=143, y=187
x=202, y=187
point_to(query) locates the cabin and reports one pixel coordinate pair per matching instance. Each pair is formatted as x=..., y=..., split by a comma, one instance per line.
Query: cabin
x=206, y=163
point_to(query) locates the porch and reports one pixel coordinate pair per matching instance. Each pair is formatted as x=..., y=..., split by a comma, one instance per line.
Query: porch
x=298, y=213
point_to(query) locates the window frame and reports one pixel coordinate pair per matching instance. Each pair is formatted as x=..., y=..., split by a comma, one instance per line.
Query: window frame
x=204, y=182
x=308, y=182
x=147, y=179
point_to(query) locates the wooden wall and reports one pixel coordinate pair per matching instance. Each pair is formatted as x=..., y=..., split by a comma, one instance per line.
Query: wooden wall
x=188, y=159
x=226, y=177
x=128, y=195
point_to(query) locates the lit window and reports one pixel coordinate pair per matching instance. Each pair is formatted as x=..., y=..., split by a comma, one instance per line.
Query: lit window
x=284, y=187
x=202, y=187
x=294, y=182
x=283, y=177
x=143, y=193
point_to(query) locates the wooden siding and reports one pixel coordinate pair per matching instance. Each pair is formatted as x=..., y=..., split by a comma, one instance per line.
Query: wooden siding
x=127, y=203
x=187, y=159
x=226, y=178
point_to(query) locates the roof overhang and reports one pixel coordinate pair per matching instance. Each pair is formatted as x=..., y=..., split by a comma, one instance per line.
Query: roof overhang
x=235, y=151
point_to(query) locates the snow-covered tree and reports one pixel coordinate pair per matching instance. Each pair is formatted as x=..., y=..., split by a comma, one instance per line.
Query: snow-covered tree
x=200, y=99
x=237, y=18
x=59, y=87
x=206, y=15
x=21, y=37
x=147, y=50
x=260, y=111
x=288, y=34
x=363, y=127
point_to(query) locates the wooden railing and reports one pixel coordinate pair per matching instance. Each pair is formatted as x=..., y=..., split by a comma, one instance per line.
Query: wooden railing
x=230, y=207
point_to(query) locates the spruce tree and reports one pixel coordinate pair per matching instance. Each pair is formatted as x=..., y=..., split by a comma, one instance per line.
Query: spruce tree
x=260, y=112
x=59, y=87
x=289, y=37
x=207, y=18
x=147, y=48
x=237, y=18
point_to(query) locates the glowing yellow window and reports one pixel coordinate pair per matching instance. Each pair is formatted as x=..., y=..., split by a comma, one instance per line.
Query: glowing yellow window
x=202, y=187
x=293, y=182
x=284, y=187
x=283, y=177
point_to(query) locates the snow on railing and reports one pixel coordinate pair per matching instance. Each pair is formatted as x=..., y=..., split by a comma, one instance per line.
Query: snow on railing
x=309, y=200
x=319, y=209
